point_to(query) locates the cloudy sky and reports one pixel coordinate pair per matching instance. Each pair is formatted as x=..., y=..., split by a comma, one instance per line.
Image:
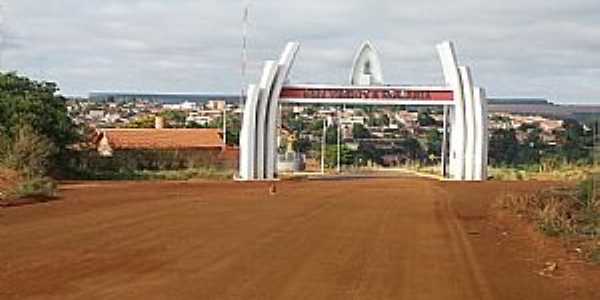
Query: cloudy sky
x=529, y=48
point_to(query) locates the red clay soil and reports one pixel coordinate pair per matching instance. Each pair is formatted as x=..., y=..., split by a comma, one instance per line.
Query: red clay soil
x=355, y=239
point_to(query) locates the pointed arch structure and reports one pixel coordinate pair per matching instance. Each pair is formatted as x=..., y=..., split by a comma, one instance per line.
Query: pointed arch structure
x=467, y=118
x=366, y=69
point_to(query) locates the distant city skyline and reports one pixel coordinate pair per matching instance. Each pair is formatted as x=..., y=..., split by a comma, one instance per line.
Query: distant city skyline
x=531, y=48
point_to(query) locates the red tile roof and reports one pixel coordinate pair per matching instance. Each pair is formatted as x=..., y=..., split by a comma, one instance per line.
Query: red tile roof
x=163, y=139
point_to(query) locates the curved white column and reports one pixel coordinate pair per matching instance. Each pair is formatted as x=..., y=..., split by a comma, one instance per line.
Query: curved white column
x=266, y=84
x=248, y=135
x=366, y=56
x=284, y=66
x=470, y=126
x=482, y=135
x=457, y=112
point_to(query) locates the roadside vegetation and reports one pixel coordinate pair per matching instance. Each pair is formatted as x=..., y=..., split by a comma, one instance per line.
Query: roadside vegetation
x=39, y=143
x=571, y=213
x=515, y=153
x=209, y=173
x=35, y=130
x=523, y=154
x=564, y=172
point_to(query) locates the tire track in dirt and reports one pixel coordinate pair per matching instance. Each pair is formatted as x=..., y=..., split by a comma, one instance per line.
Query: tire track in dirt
x=461, y=246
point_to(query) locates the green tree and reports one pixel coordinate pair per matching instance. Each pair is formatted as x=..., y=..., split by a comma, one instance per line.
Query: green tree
x=234, y=126
x=142, y=122
x=332, y=135
x=573, y=140
x=368, y=152
x=316, y=127
x=30, y=153
x=24, y=102
x=413, y=149
x=302, y=145
x=503, y=147
x=360, y=132
x=433, y=142
x=425, y=119
x=531, y=149
x=174, y=119
x=346, y=156
x=380, y=121
x=295, y=123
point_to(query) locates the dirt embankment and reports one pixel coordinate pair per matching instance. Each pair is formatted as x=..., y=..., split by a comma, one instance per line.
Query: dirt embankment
x=354, y=239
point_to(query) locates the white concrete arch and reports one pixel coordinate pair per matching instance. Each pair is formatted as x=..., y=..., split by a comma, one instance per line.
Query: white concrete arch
x=266, y=87
x=470, y=119
x=457, y=111
x=481, y=133
x=366, y=69
x=248, y=135
x=468, y=109
x=285, y=64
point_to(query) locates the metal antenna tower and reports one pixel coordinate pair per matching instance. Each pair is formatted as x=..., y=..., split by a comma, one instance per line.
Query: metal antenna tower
x=2, y=31
x=595, y=160
x=244, y=65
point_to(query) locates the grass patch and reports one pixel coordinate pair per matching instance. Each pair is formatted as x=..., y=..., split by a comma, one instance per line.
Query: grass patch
x=594, y=253
x=42, y=187
x=572, y=213
x=187, y=174
x=38, y=189
x=567, y=172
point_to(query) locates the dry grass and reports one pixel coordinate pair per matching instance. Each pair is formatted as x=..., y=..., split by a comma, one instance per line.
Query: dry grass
x=16, y=189
x=571, y=213
x=567, y=172
x=9, y=179
x=552, y=209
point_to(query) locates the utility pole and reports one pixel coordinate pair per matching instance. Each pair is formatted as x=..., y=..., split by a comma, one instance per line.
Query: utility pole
x=323, y=146
x=595, y=158
x=445, y=144
x=2, y=21
x=244, y=62
x=225, y=125
x=339, y=142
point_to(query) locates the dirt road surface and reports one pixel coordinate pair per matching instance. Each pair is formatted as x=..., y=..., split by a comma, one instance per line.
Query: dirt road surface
x=354, y=239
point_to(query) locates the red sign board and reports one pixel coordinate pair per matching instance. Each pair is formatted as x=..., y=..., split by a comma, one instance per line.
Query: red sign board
x=367, y=93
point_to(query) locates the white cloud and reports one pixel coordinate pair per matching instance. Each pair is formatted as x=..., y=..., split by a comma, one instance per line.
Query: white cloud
x=541, y=48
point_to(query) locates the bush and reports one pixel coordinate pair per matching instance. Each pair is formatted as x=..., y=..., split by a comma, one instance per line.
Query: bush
x=551, y=210
x=572, y=212
x=29, y=153
x=40, y=188
x=594, y=253
x=588, y=194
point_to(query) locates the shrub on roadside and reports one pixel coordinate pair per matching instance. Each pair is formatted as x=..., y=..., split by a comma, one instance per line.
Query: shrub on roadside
x=565, y=212
x=28, y=154
x=594, y=253
x=210, y=173
x=36, y=188
x=552, y=210
x=565, y=172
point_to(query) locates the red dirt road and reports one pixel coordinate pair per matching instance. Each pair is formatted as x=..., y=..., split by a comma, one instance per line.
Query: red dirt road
x=360, y=239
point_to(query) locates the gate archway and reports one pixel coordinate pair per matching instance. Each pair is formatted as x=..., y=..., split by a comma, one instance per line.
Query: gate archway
x=467, y=105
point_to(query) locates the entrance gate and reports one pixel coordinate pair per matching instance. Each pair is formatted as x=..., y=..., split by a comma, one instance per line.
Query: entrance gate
x=467, y=116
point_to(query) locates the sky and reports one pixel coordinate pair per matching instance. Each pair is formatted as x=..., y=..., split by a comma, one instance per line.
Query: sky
x=516, y=48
